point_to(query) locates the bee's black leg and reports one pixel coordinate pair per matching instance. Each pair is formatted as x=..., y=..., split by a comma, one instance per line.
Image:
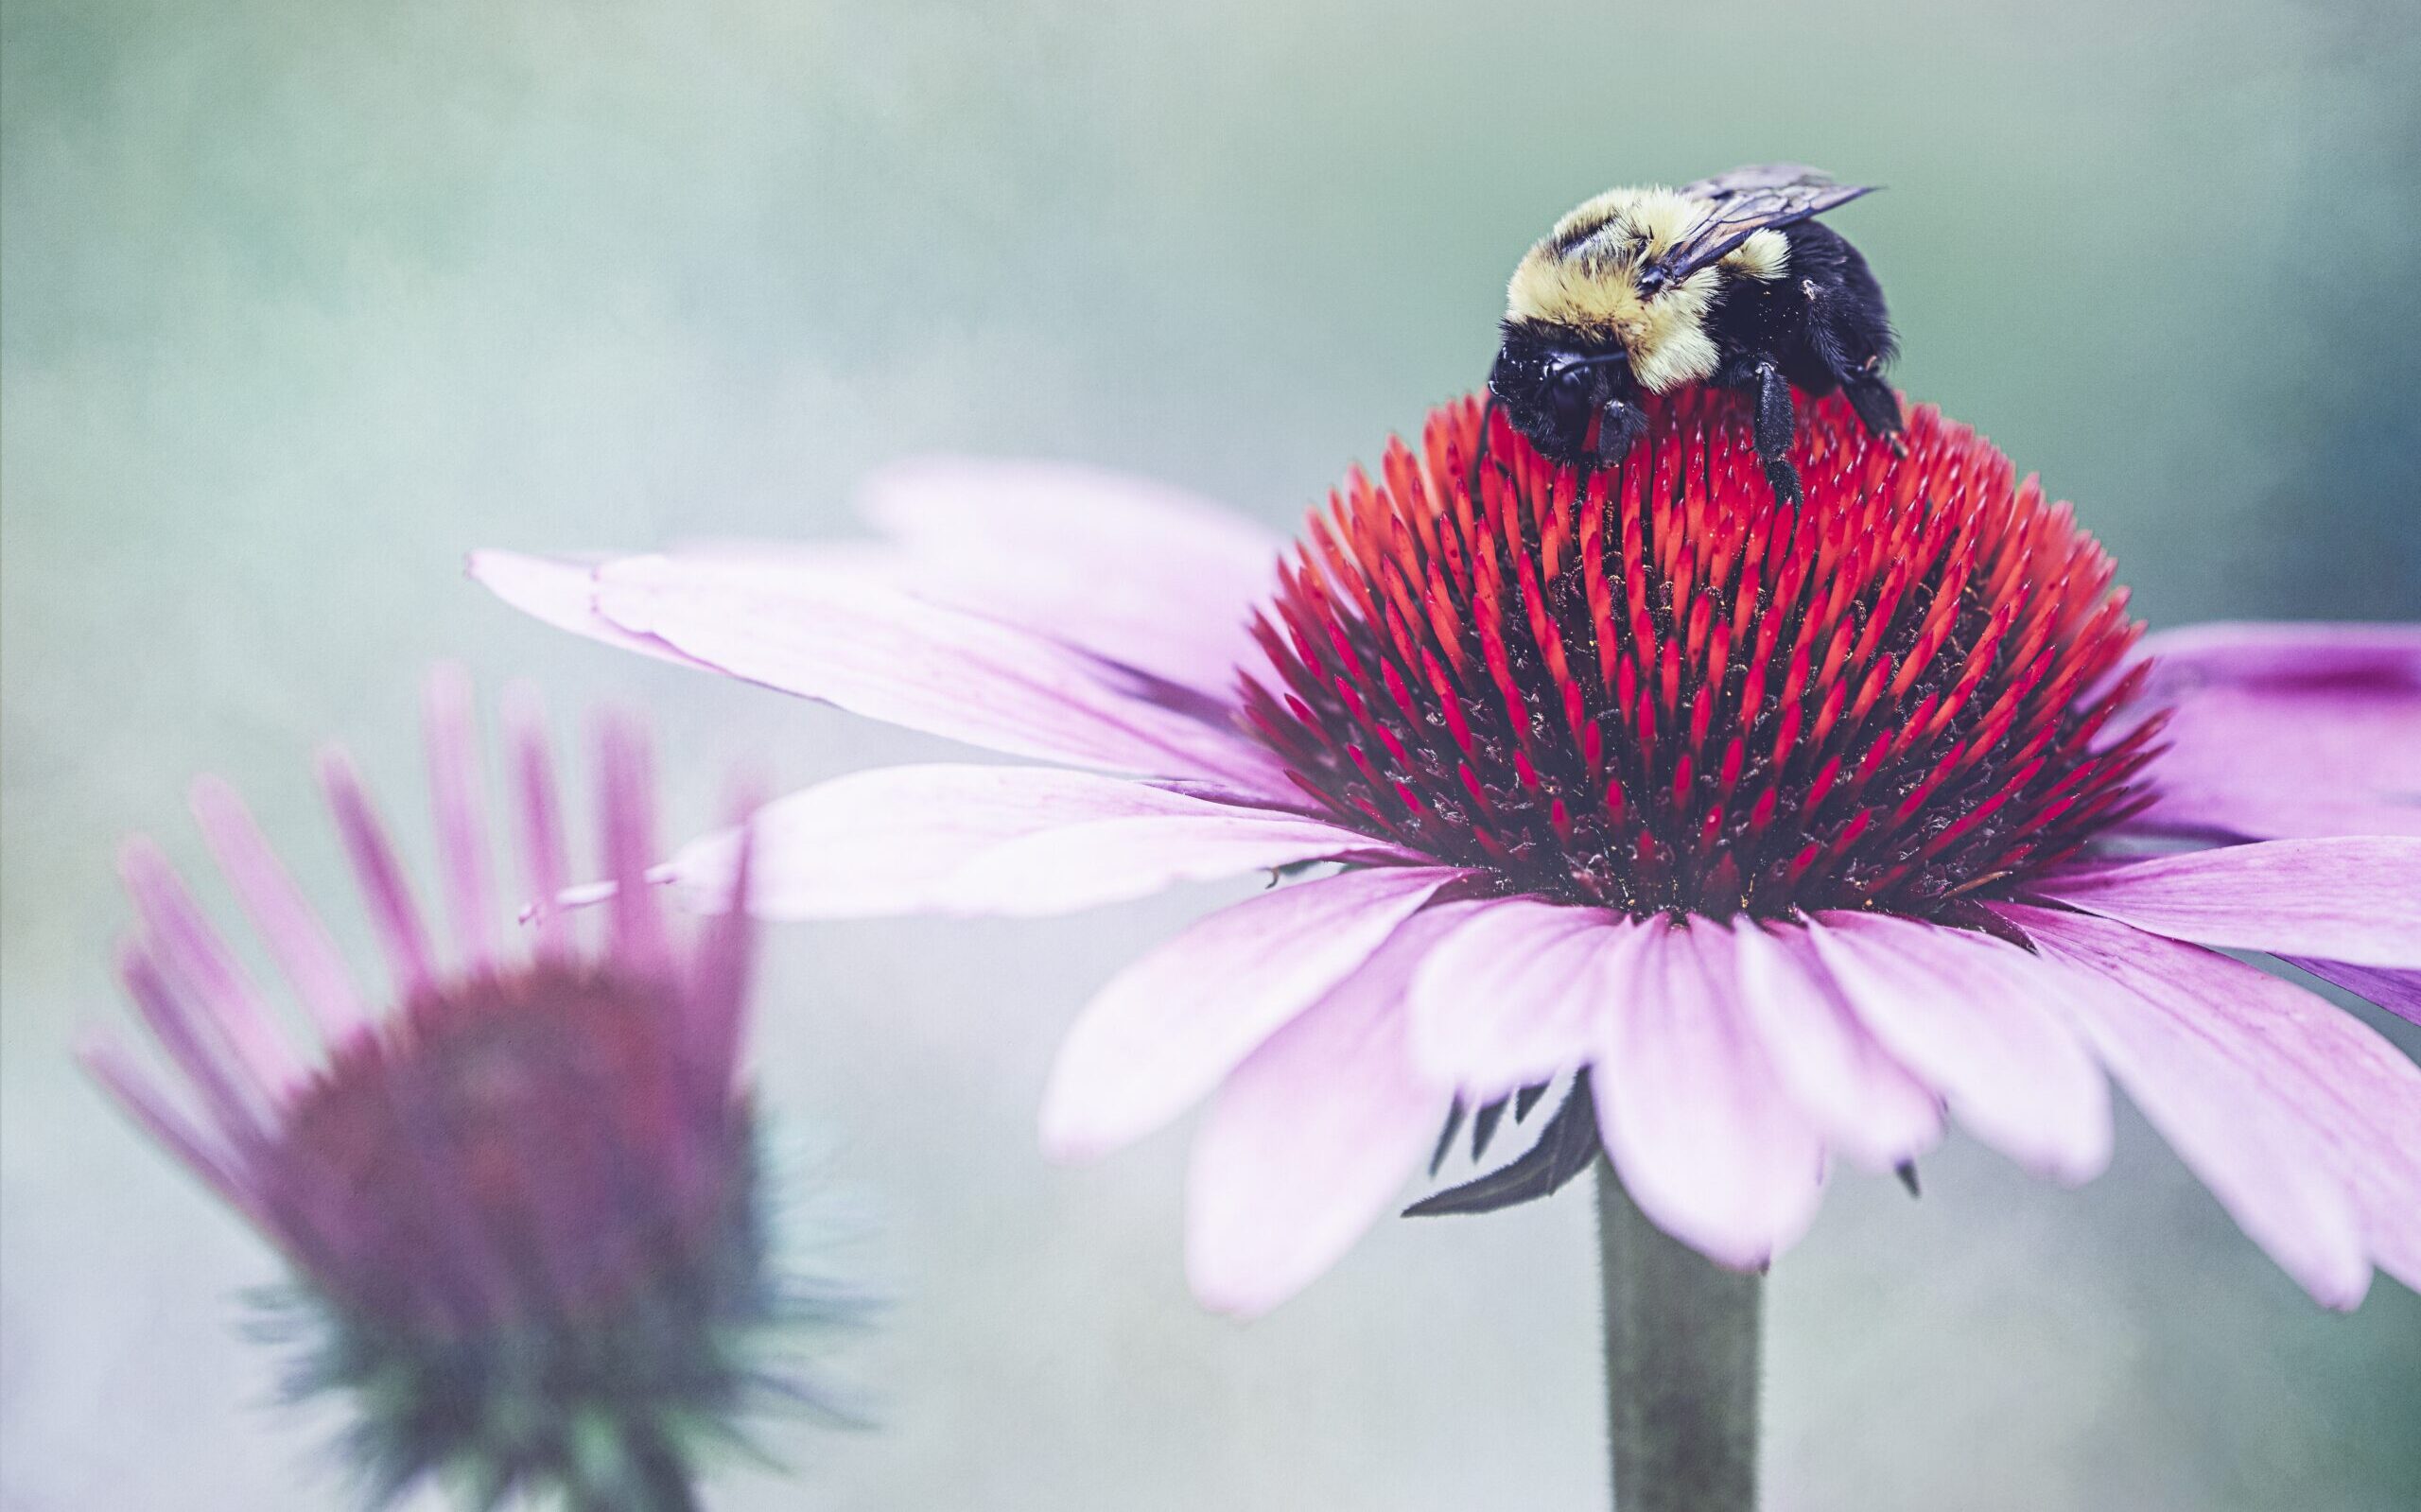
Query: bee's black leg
x=1619, y=427
x=1772, y=398
x=1877, y=407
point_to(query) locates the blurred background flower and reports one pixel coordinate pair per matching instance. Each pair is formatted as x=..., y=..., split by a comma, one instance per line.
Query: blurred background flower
x=524, y=1206
x=302, y=301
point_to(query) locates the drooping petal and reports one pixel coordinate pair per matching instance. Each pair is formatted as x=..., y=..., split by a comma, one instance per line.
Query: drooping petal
x=2399, y=992
x=540, y=813
x=2287, y=730
x=1516, y=994
x=2357, y=901
x=225, y=1003
x=1973, y=1018
x=1866, y=1104
x=1129, y=570
x=2305, y=1122
x=1170, y=1026
x=1310, y=1139
x=973, y=839
x=1705, y=1138
x=393, y=916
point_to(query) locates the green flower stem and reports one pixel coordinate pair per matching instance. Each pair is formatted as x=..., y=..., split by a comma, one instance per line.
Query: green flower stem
x=1681, y=1365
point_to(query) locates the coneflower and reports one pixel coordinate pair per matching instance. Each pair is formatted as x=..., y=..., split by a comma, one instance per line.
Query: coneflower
x=1773, y=832
x=522, y=1205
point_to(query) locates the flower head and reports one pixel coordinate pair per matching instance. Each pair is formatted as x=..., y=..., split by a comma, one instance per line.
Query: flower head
x=1779, y=833
x=1710, y=707
x=523, y=1207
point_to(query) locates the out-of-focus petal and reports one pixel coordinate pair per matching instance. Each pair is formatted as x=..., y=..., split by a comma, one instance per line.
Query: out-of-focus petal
x=1972, y=1015
x=1127, y=568
x=878, y=653
x=1170, y=1026
x=1516, y=994
x=974, y=840
x=2399, y=992
x=2304, y=1122
x=1308, y=1141
x=2281, y=731
x=1866, y=1104
x=562, y=592
x=2353, y=899
x=1706, y=1140
x=2283, y=651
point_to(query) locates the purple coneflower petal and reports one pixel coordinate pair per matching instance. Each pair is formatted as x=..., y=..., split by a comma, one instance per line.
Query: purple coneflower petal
x=540, y=812
x=241, y=1109
x=189, y=954
x=297, y=940
x=1129, y=570
x=2352, y=899
x=462, y=835
x=2283, y=731
x=972, y=839
x=562, y=592
x=1166, y=1029
x=626, y=797
x=1308, y=1141
x=1515, y=993
x=1706, y=1140
x=2304, y=1122
x=393, y=916
x=1865, y=1104
x=887, y=656
x=109, y=1064
x=1970, y=1016
x=2399, y=992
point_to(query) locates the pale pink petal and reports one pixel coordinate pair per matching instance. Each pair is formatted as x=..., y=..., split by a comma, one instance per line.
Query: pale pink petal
x=1975, y=1020
x=2357, y=899
x=2286, y=731
x=1865, y=1104
x=878, y=653
x=1516, y=994
x=1129, y=570
x=2305, y=1122
x=562, y=592
x=1705, y=1138
x=2285, y=652
x=2399, y=992
x=1170, y=1026
x=461, y=835
x=1308, y=1141
x=972, y=839
x=297, y=940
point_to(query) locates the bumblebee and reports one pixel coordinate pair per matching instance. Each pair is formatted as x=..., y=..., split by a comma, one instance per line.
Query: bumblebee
x=1729, y=281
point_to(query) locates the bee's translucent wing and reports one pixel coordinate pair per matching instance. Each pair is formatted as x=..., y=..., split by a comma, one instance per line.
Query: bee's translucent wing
x=1741, y=202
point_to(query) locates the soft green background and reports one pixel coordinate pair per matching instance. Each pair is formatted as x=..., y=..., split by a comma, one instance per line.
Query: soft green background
x=303, y=299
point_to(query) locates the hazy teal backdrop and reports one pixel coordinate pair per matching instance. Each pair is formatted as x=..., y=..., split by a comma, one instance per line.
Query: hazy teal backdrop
x=301, y=300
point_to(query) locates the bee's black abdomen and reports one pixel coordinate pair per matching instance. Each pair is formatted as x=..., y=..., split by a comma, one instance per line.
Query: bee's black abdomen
x=1824, y=324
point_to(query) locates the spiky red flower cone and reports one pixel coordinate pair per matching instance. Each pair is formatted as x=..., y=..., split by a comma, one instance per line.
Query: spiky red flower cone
x=1661, y=692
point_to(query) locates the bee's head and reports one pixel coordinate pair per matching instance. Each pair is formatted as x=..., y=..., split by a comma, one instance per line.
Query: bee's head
x=1552, y=385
